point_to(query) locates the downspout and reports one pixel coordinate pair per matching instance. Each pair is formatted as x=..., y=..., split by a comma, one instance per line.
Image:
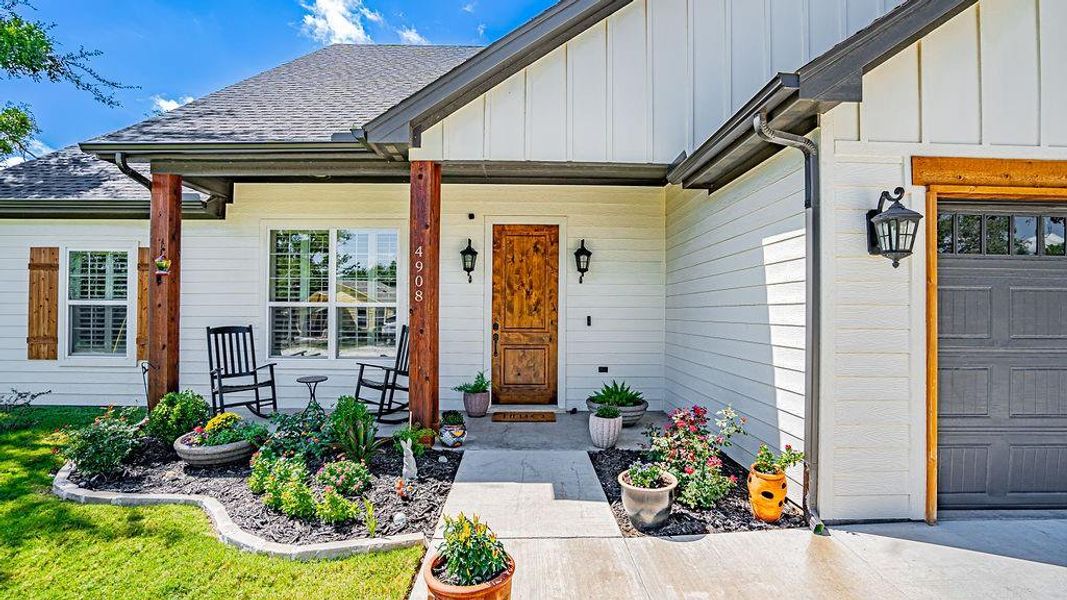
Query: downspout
x=127, y=170
x=812, y=311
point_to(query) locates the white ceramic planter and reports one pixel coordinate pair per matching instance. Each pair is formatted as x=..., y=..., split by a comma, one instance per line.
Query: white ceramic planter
x=631, y=415
x=604, y=432
x=212, y=456
x=647, y=508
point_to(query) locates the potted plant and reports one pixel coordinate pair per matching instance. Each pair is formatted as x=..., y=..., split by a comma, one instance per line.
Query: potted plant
x=647, y=494
x=470, y=564
x=225, y=439
x=604, y=426
x=475, y=395
x=767, y=486
x=453, y=429
x=628, y=401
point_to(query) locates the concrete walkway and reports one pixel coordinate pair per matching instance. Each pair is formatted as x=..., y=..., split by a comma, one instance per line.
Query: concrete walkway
x=552, y=515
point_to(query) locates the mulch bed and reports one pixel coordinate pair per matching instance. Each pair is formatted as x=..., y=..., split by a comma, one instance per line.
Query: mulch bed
x=156, y=469
x=732, y=513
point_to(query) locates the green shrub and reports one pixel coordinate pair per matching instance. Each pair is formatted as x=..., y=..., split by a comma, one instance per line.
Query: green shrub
x=352, y=427
x=369, y=519
x=335, y=509
x=347, y=477
x=261, y=467
x=297, y=500
x=686, y=445
x=705, y=487
x=480, y=385
x=100, y=447
x=414, y=434
x=452, y=417
x=176, y=414
x=303, y=434
x=471, y=551
x=283, y=472
x=608, y=412
x=616, y=394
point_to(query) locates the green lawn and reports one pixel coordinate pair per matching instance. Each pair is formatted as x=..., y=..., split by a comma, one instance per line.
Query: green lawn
x=55, y=549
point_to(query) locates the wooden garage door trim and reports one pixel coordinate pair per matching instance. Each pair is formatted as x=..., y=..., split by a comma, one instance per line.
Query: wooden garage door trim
x=1005, y=180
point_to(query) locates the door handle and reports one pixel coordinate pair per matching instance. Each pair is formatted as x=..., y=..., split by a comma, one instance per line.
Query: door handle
x=496, y=339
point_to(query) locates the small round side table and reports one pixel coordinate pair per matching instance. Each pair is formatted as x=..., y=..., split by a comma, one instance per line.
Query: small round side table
x=312, y=381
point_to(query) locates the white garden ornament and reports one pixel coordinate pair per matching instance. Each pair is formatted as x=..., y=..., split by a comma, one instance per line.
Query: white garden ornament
x=411, y=471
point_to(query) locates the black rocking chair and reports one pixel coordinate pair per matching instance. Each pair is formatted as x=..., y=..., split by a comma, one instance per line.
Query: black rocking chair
x=232, y=356
x=389, y=383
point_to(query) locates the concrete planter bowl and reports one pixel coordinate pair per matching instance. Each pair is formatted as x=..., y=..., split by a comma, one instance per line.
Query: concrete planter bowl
x=604, y=432
x=477, y=404
x=212, y=456
x=631, y=415
x=647, y=508
x=498, y=588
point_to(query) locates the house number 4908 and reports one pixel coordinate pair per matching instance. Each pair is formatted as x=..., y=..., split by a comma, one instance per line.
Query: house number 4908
x=418, y=274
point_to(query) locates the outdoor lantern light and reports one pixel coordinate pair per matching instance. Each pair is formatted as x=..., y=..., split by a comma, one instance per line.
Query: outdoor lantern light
x=470, y=258
x=891, y=231
x=581, y=260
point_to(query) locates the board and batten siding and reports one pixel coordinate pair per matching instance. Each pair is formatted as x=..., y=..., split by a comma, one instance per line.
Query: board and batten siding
x=735, y=304
x=988, y=83
x=224, y=270
x=654, y=79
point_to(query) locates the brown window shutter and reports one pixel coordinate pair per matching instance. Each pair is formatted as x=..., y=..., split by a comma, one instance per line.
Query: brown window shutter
x=42, y=341
x=144, y=271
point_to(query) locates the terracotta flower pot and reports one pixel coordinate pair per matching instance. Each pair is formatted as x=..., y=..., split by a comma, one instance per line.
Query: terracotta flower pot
x=476, y=405
x=427, y=440
x=211, y=456
x=604, y=432
x=647, y=508
x=766, y=493
x=452, y=436
x=631, y=415
x=499, y=588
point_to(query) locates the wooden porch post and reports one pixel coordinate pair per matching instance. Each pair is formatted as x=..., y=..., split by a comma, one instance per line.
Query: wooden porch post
x=164, y=290
x=423, y=272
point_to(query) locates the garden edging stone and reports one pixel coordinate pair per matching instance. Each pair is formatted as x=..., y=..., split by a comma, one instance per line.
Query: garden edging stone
x=227, y=530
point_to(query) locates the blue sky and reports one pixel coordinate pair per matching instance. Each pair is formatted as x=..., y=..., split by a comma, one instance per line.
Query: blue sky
x=179, y=49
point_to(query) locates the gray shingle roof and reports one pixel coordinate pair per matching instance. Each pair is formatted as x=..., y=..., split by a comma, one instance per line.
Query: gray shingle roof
x=328, y=91
x=68, y=174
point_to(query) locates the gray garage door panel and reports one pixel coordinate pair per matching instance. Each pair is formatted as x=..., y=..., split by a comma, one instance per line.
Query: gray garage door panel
x=1002, y=377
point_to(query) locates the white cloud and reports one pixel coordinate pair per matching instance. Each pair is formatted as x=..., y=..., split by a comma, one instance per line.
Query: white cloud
x=339, y=21
x=35, y=148
x=481, y=30
x=163, y=104
x=408, y=35
x=469, y=7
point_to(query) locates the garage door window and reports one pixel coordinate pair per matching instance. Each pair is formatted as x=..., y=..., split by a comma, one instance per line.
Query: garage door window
x=963, y=233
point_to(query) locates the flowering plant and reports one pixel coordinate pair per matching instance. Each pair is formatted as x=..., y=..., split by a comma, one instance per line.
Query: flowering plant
x=305, y=434
x=473, y=555
x=767, y=463
x=648, y=476
x=686, y=445
x=227, y=428
x=347, y=477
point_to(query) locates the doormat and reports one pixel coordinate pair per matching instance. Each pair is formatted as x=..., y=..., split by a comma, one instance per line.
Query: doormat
x=529, y=416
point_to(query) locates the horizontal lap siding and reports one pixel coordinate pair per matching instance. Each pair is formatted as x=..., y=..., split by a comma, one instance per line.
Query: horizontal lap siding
x=986, y=84
x=224, y=269
x=735, y=303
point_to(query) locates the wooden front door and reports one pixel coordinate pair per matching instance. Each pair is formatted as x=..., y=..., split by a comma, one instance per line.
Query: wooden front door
x=525, y=313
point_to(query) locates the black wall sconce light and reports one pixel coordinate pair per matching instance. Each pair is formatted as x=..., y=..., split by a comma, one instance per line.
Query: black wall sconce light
x=891, y=232
x=470, y=258
x=581, y=260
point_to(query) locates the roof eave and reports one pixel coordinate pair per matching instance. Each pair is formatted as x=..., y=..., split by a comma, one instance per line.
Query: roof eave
x=102, y=208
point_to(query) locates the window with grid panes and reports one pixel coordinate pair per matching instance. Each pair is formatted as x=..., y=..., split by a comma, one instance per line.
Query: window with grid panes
x=97, y=302
x=333, y=293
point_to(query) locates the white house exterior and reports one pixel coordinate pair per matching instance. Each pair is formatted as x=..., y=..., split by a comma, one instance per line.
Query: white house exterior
x=700, y=289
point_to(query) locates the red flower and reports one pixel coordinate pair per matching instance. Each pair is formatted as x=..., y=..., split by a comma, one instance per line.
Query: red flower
x=788, y=447
x=198, y=429
x=689, y=469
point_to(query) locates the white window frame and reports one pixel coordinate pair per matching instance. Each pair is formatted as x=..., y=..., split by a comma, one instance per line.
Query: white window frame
x=332, y=305
x=68, y=358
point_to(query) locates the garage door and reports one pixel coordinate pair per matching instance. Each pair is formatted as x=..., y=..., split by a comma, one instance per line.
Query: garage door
x=1002, y=377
